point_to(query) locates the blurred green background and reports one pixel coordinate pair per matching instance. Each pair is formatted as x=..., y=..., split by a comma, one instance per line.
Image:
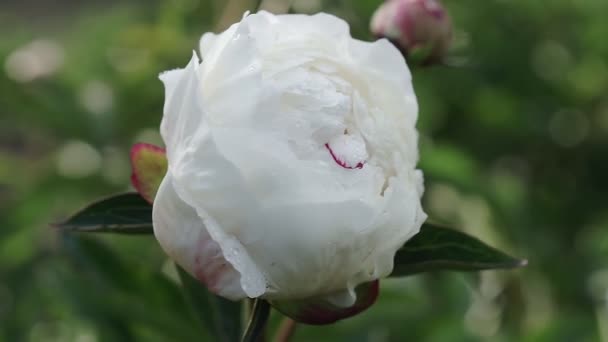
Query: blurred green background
x=514, y=146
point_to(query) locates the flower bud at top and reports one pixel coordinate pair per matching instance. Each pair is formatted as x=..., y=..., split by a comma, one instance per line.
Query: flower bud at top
x=421, y=29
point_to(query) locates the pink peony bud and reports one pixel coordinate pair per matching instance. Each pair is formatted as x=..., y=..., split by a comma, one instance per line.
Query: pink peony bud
x=421, y=29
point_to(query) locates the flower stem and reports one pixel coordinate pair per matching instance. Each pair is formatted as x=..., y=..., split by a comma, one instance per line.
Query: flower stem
x=258, y=5
x=286, y=330
x=257, y=321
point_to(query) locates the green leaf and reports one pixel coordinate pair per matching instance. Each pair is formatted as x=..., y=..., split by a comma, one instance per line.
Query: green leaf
x=135, y=295
x=125, y=214
x=436, y=248
x=220, y=316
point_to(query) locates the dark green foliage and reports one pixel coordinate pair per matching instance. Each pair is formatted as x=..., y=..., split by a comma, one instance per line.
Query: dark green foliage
x=124, y=214
x=221, y=317
x=436, y=248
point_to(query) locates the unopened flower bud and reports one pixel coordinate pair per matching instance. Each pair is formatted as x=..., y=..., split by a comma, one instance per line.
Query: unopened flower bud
x=421, y=29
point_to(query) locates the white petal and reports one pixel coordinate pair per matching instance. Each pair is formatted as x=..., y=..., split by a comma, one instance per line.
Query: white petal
x=207, y=43
x=380, y=62
x=277, y=218
x=313, y=248
x=381, y=57
x=302, y=25
x=231, y=75
x=182, y=111
x=388, y=120
x=200, y=174
x=170, y=80
x=342, y=299
x=185, y=239
x=209, y=182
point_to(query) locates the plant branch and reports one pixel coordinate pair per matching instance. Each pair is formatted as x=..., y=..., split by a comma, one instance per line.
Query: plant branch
x=286, y=330
x=258, y=5
x=257, y=321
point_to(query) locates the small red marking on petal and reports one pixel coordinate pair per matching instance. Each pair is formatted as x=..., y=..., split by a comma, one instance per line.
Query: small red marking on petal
x=342, y=163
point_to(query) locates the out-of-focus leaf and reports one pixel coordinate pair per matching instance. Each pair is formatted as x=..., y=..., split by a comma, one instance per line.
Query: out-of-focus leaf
x=436, y=248
x=125, y=214
x=133, y=298
x=220, y=316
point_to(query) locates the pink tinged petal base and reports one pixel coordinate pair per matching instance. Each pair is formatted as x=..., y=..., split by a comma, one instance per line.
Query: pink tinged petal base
x=321, y=311
x=210, y=267
x=149, y=165
x=183, y=236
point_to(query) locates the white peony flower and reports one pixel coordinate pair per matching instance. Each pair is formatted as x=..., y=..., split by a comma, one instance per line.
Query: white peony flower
x=292, y=154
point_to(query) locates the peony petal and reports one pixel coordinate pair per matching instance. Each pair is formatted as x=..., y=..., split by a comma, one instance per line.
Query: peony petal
x=232, y=71
x=149, y=165
x=214, y=186
x=201, y=175
x=293, y=224
x=181, y=117
x=382, y=58
x=170, y=80
x=332, y=242
x=386, y=118
x=323, y=310
x=383, y=62
x=185, y=239
x=328, y=26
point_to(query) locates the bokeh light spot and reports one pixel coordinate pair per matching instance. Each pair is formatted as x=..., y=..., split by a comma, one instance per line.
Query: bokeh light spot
x=77, y=159
x=568, y=128
x=97, y=97
x=37, y=59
